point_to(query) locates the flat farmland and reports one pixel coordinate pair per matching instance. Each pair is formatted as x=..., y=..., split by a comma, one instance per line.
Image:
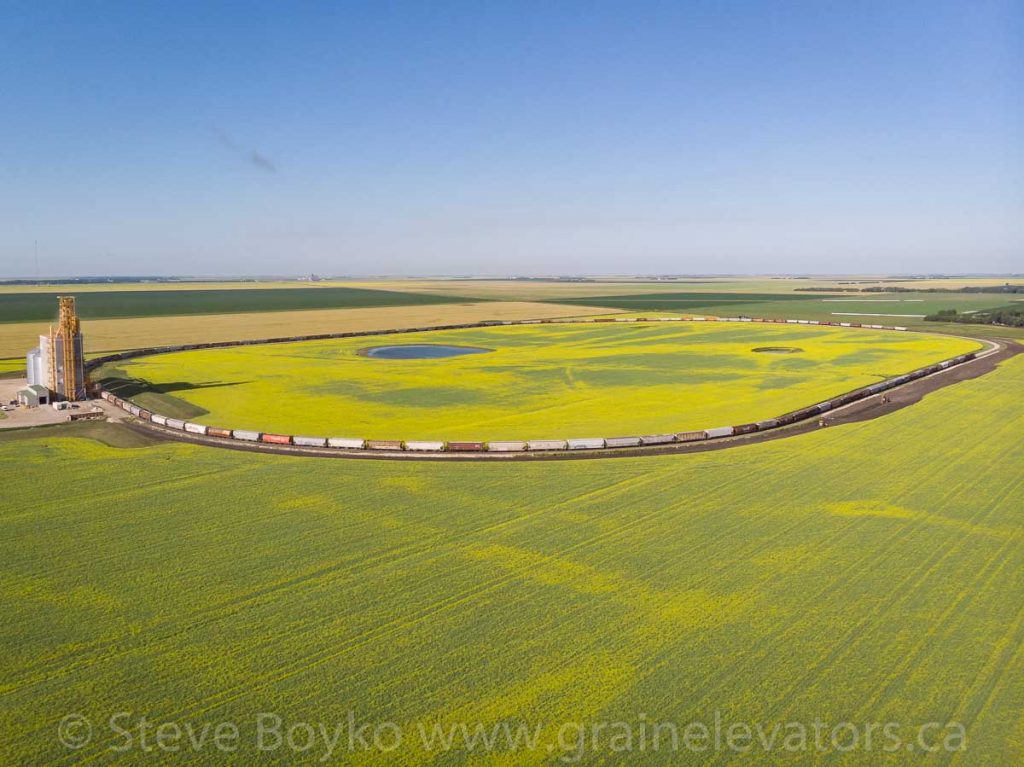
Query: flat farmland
x=842, y=576
x=116, y=335
x=536, y=382
x=24, y=307
x=871, y=308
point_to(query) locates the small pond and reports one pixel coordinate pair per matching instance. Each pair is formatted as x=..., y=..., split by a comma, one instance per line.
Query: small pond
x=419, y=351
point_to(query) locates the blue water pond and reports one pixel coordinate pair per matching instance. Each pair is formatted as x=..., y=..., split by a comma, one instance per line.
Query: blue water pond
x=420, y=351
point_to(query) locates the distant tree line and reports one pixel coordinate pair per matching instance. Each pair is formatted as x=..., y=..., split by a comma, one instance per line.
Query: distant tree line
x=1008, y=316
x=1007, y=288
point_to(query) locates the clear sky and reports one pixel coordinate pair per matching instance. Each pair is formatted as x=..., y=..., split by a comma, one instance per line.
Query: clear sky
x=519, y=138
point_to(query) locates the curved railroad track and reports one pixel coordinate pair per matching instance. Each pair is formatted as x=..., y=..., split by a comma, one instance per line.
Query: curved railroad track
x=867, y=408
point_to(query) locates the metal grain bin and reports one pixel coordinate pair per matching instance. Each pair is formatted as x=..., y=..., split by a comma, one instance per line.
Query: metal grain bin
x=746, y=428
x=622, y=442
x=310, y=441
x=247, y=436
x=195, y=428
x=546, y=444
x=466, y=447
x=691, y=436
x=506, y=447
x=424, y=447
x=721, y=431
x=585, y=443
x=175, y=423
x=657, y=439
x=276, y=439
x=160, y=420
x=383, y=444
x=345, y=443
x=222, y=433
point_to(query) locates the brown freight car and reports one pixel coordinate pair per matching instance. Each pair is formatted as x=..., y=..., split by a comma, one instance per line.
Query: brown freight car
x=466, y=447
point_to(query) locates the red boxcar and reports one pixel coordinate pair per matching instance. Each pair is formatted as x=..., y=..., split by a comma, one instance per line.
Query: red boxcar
x=277, y=439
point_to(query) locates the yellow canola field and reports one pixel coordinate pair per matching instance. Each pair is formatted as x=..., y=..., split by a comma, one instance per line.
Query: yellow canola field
x=537, y=381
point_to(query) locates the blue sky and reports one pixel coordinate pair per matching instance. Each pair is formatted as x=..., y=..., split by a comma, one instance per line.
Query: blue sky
x=518, y=138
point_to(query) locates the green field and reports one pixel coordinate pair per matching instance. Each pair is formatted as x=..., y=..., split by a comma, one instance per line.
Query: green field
x=550, y=381
x=864, y=573
x=871, y=308
x=34, y=307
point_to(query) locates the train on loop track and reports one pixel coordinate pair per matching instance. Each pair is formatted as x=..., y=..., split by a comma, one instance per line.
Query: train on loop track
x=508, y=446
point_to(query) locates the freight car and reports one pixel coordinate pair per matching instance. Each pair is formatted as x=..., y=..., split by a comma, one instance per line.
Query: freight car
x=546, y=444
x=657, y=439
x=421, y=446
x=622, y=442
x=721, y=431
x=346, y=443
x=509, y=446
x=383, y=444
x=585, y=443
x=195, y=428
x=175, y=423
x=159, y=420
x=746, y=428
x=276, y=439
x=466, y=447
x=222, y=433
x=691, y=436
x=245, y=435
x=310, y=441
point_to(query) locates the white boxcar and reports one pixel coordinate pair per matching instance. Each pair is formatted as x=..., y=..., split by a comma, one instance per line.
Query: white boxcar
x=622, y=441
x=134, y=409
x=346, y=443
x=175, y=423
x=506, y=447
x=160, y=420
x=691, y=436
x=246, y=436
x=769, y=423
x=657, y=439
x=546, y=444
x=310, y=441
x=845, y=325
x=721, y=431
x=424, y=446
x=195, y=428
x=824, y=407
x=586, y=443
x=106, y=395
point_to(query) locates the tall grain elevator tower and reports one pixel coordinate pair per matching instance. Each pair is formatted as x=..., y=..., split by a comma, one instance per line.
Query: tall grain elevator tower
x=62, y=354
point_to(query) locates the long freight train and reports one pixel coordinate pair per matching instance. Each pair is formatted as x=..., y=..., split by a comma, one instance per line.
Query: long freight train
x=509, y=446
